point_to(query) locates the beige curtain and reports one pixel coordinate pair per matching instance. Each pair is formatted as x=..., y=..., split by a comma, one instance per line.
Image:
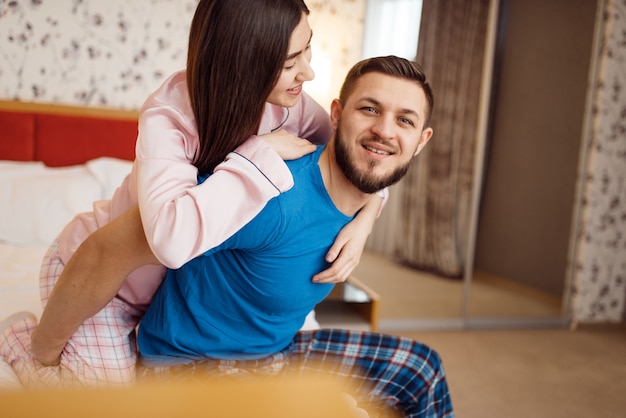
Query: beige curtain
x=426, y=221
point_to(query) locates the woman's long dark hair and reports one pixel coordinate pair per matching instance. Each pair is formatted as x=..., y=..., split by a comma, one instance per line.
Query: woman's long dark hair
x=237, y=50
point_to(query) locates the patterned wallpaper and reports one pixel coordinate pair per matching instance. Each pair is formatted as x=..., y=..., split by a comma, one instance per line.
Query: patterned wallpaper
x=99, y=53
x=114, y=53
x=599, y=288
x=337, y=44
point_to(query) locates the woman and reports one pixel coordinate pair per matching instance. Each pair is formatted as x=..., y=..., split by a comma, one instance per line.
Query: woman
x=241, y=55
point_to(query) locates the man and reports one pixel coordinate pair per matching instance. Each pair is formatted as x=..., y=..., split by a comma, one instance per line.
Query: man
x=241, y=304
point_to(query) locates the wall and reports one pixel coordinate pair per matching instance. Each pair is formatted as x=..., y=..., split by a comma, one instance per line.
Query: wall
x=114, y=53
x=599, y=285
x=96, y=53
x=337, y=44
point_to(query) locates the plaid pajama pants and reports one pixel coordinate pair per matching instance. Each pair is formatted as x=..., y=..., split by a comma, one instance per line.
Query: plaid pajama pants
x=102, y=352
x=383, y=371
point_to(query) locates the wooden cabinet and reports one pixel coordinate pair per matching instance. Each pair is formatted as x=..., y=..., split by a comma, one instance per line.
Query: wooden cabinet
x=351, y=305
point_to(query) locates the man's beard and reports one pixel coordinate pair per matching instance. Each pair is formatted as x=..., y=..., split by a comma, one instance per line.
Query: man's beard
x=365, y=181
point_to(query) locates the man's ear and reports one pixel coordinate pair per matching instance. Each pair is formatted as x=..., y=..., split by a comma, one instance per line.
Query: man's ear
x=427, y=133
x=335, y=112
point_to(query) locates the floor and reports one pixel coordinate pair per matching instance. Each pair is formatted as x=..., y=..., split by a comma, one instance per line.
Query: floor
x=408, y=293
x=524, y=372
x=547, y=373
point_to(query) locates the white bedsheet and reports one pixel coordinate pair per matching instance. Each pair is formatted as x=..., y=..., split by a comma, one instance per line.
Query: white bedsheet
x=19, y=291
x=19, y=278
x=36, y=202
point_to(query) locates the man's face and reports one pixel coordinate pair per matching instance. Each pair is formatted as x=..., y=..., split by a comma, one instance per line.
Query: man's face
x=379, y=130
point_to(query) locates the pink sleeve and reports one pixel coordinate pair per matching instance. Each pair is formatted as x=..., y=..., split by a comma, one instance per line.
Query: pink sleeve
x=182, y=219
x=310, y=121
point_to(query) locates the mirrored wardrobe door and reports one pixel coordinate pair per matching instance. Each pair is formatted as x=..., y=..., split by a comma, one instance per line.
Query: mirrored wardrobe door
x=527, y=206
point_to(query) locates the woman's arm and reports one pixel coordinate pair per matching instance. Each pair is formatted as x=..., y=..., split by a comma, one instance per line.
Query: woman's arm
x=200, y=218
x=346, y=251
x=183, y=219
x=309, y=120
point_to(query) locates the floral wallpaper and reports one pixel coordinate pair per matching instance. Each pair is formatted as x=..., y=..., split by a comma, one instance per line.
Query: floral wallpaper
x=599, y=287
x=337, y=44
x=99, y=53
x=114, y=53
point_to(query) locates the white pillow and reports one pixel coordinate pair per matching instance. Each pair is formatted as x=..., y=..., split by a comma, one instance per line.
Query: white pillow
x=36, y=202
x=110, y=172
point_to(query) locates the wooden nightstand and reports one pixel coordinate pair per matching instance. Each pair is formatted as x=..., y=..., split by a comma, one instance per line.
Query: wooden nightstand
x=351, y=305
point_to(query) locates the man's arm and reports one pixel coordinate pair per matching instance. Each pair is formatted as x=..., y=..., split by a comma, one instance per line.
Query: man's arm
x=89, y=281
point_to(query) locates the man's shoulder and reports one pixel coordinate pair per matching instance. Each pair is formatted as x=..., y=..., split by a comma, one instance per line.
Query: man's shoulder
x=305, y=162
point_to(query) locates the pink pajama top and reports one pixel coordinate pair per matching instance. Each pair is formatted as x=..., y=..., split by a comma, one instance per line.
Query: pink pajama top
x=182, y=219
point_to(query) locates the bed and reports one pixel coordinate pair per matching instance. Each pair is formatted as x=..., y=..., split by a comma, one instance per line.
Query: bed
x=54, y=162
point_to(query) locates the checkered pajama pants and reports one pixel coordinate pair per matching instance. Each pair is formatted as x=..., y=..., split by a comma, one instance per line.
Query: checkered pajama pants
x=383, y=371
x=102, y=352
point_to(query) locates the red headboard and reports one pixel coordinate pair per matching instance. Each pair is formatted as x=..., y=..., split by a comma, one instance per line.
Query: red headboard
x=62, y=135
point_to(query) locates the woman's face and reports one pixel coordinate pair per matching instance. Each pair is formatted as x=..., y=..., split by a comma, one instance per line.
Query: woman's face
x=297, y=68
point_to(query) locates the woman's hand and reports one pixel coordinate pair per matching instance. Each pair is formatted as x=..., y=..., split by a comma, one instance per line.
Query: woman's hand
x=345, y=254
x=346, y=251
x=288, y=146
